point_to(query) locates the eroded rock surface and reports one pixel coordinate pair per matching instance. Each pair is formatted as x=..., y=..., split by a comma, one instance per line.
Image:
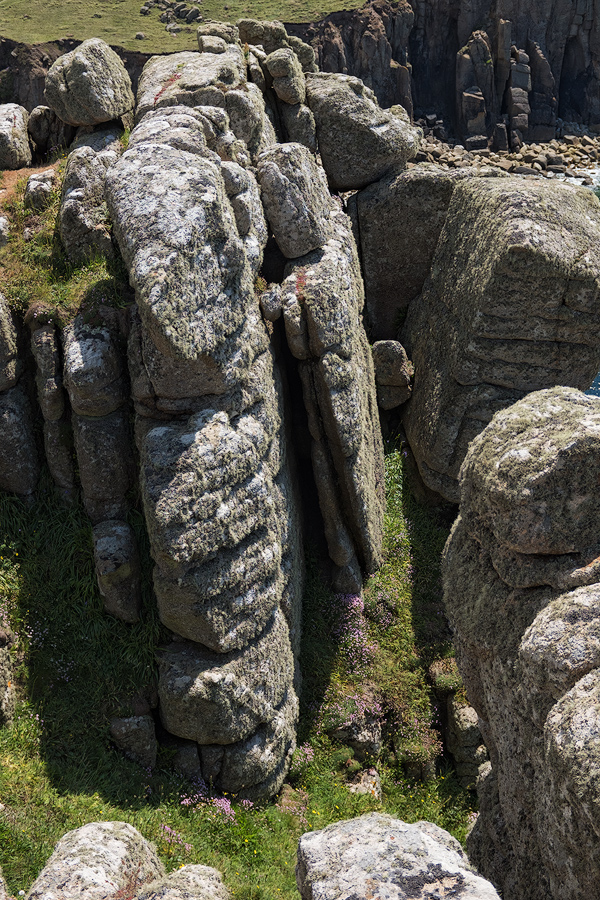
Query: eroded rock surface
x=358, y=141
x=384, y=858
x=83, y=223
x=511, y=306
x=89, y=85
x=95, y=861
x=322, y=304
x=14, y=139
x=187, y=883
x=217, y=492
x=521, y=589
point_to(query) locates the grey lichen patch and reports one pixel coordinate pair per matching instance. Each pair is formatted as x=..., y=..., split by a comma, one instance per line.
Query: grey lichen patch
x=97, y=861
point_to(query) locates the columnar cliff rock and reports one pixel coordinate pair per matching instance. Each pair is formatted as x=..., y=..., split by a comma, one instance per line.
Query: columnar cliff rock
x=521, y=588
x=510, y=306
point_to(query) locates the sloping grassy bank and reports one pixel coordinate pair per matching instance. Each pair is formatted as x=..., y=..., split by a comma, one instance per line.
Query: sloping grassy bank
x=118, y=21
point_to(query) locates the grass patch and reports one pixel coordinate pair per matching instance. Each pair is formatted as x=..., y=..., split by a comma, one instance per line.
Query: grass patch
x=35, y=272
x=118, y=21
x=77, y=666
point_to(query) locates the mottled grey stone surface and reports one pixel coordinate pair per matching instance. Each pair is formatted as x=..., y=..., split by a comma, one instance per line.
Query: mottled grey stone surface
x=521, y=587
x=358, y=141
x=512, y=305
x=83, y=221
x=38, y=192
x=93, y=367
x=296, y=198
x=118, y=569
x=95, y=862
x=188, y=883
x=48, y=372
x=15, y=152
x=384, y=858
x=103, y=447
x=322, y=305
x=216, y=698
x=89, y=85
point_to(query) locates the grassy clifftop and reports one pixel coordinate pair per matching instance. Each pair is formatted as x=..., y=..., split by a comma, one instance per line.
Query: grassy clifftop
x=117, y=21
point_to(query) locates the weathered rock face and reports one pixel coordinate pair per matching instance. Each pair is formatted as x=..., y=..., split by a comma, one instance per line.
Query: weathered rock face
x=209, y=79
x=359, y=142
x=47, y=131
x=511, y=306
x=39, y=189
x=89, y=85
x=370, y=43
x=382, y=857
x=296, y=198
x=212, y=423
x=96, y=861
x=217, y=493
x=14, y=140
x=84, y=229
x=118, y=569
x=521, y=588
x=187, y=883
x=322, y=305
x=399, y=219
x=393, y=373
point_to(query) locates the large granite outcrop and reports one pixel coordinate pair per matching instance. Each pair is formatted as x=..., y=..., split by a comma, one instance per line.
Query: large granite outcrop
x=521, y=586
x=383, y=858
x=217, y=493
x=511, y=306
x=213, y=423
x=399, y=219
x=358, y=141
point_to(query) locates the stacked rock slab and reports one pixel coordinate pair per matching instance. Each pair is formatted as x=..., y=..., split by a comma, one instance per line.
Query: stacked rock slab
x=398, y=220
x=97, y=385
x=58, y=438
x=98, y=860
x=19, y=466
x=522, y=589
x=83, y=224
x=511, y=306
x=322, y=301
x=216, y=486
x=15, y=152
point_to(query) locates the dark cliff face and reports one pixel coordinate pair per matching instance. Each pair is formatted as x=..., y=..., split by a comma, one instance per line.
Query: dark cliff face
x=406, y=50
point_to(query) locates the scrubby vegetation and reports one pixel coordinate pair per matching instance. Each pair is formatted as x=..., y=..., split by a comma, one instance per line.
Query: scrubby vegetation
x=118, y=21
x=77, y=667
x=36, y=276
